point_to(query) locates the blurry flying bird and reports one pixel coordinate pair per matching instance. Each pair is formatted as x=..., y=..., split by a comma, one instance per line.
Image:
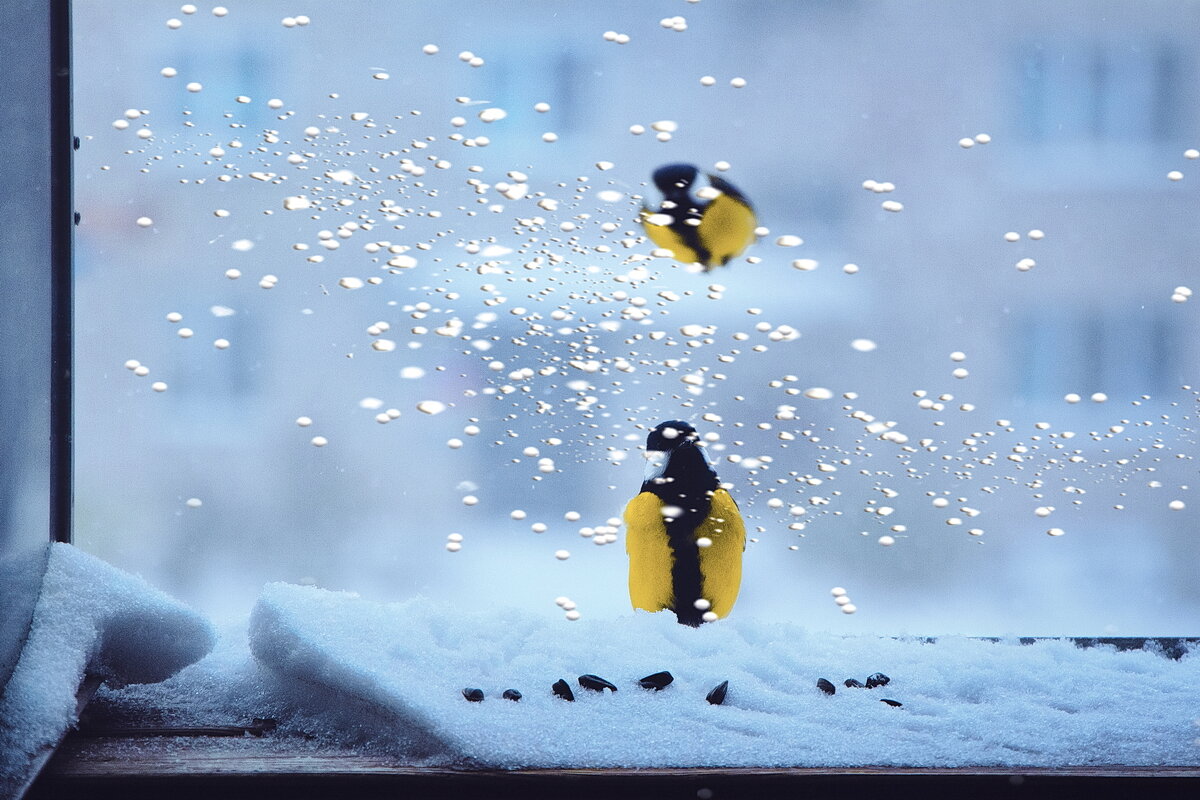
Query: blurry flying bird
x=684, y=534
x=710, y=229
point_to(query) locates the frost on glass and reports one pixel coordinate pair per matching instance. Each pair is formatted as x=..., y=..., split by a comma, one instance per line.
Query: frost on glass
x=364, y=301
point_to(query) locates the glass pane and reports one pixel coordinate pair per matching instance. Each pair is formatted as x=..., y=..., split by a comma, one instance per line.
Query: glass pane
x=402, y=331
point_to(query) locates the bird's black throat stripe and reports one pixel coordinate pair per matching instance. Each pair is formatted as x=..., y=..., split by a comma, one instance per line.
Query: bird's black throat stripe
x=684, y=216
x=687, y=483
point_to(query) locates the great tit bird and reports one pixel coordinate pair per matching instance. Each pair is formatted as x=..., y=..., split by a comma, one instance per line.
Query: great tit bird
x=684, y=534
x=709, y=231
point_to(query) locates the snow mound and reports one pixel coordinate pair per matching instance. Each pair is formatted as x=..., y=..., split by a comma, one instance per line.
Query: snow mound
x=90, y=618
x=965, y=702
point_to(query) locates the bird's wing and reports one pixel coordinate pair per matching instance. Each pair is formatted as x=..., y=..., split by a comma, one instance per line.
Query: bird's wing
x=721, y=562
x=727, y=227
x=725, y=187
x=650, y=557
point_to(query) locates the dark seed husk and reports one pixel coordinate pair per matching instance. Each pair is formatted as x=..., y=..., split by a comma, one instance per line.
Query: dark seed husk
x=892, y=703
x=511, y=694
x=561, y=689
x=474, y=695
x=825, y=686
x=595, y=683
x=717, y=695
x=658, y=681
x=877, y=679
x=852, y=683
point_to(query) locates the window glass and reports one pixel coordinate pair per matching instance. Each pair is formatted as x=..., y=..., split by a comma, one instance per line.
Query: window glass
x=363, y=301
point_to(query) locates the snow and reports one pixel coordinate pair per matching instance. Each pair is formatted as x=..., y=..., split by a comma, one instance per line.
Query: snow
x=337, y=669
x=89, y=618
x=965, y=702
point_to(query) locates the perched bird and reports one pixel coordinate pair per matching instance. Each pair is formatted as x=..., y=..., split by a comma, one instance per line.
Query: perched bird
x=684, y=534
x=711, y=230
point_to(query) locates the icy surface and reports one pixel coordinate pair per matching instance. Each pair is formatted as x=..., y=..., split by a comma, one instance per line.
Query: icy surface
x=89, y=618
x=965, y=702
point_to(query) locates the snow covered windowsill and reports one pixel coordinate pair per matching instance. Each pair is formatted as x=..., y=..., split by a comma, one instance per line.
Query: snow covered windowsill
x=365, y=697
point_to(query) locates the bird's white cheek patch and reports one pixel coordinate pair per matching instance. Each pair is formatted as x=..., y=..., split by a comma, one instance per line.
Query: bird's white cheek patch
x=656, y=464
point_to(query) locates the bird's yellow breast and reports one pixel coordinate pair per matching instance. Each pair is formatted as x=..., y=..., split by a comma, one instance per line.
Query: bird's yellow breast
x=667, y=238
x=651, y=557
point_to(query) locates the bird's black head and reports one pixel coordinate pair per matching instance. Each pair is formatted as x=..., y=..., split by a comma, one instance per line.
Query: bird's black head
x=675, y=179
x=670, y=435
